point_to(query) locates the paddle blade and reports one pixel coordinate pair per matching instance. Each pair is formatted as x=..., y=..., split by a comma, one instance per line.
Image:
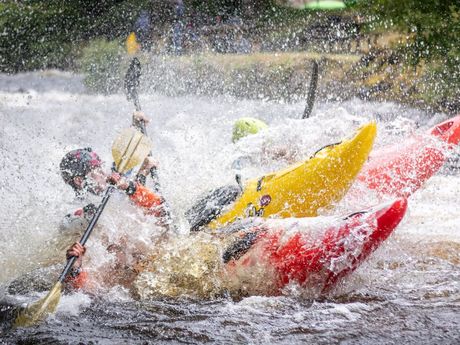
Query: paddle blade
x=37, y=311
x=132, y=46
x=129, y=149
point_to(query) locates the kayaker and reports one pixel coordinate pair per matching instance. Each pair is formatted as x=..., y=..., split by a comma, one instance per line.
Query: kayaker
x=82, y=170
x=245, y=126
x=126, y=267
x=122, y=270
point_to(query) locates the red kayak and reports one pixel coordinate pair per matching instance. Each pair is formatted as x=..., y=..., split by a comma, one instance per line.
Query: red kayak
x=315, y=256
x=401, y=169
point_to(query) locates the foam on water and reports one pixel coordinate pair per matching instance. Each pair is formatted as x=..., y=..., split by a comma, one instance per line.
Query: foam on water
x=192, y=142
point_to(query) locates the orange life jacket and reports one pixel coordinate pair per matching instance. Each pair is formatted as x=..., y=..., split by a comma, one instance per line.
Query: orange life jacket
x=77, y=282
x=148, y=200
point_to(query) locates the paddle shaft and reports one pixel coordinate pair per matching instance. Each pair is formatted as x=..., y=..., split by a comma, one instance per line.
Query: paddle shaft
x=87, y=233
x=132, y=81
x=131, y=84
x=137, y=106
x=311, y=91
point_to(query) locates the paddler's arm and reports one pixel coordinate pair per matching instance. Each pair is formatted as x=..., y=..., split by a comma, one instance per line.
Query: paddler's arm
x=149, y=167
x=142, y=196
x=77, y=277
x=152, y=203
x=139, y=118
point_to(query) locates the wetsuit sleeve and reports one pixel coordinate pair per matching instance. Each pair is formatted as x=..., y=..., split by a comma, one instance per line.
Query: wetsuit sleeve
x=142, y=179
x=77, y=221
x=152, y=203
x=147, y=199
x=76, y=281
x=155, y=179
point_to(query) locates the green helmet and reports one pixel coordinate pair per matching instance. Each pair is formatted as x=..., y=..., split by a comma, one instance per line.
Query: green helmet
x=245, y=126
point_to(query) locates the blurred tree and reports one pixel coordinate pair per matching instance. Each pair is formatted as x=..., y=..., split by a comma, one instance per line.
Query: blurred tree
x=433, y=26
x=39, y=34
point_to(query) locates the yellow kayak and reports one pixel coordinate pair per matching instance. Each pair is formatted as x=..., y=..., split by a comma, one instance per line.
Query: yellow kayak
x=303, y=188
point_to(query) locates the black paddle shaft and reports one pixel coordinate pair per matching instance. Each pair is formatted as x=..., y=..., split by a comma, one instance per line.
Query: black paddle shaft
x=311, y=91
x=131, y=84
x=87, y=233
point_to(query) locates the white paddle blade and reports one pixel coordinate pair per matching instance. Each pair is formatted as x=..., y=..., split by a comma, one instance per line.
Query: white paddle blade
x=129, y=149
x=39, y=310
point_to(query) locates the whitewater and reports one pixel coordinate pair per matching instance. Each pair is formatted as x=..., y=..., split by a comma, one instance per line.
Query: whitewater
x=409, y=289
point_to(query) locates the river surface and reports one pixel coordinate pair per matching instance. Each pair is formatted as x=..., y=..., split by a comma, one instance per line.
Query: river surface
x=407, y=292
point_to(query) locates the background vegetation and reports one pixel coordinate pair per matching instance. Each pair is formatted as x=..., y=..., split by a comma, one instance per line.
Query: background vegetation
x=420, y=66
x=423, y=66
x=50, y=34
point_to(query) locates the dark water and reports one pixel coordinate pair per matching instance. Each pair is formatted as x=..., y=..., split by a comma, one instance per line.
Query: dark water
x=352, y=319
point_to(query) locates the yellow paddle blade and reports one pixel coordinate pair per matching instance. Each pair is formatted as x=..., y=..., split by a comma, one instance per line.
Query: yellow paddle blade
x=37, y=311
x=130, y=149
x=132, y=46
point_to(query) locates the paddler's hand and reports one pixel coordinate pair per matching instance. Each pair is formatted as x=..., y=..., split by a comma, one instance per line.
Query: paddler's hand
x=78, y=251
x=117, y=180
x=122, y=184
x=149, y=163
x=139, y=116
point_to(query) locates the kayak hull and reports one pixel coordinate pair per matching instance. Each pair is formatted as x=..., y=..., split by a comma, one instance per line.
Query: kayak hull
x=303, y=188
x=402, y=169
x=314, y=259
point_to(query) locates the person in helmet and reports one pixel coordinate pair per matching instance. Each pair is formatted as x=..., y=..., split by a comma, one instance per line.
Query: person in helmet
x=245, y=126
x=82, y=170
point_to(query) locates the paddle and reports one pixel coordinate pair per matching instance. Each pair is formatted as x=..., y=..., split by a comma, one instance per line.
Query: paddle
x=311, y=91
x=132, y=82
x=131, y=86
x=128, y=150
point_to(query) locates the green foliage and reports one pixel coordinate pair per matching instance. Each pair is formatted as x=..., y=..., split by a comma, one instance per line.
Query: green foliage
x=43, y=34
x=226, y=8
x=268, y=76
x=32, y=37
x=433, y=26
x=102, y=62
x=442, y=85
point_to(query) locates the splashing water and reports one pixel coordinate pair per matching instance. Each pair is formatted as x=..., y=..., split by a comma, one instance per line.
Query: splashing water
x=413, y=279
